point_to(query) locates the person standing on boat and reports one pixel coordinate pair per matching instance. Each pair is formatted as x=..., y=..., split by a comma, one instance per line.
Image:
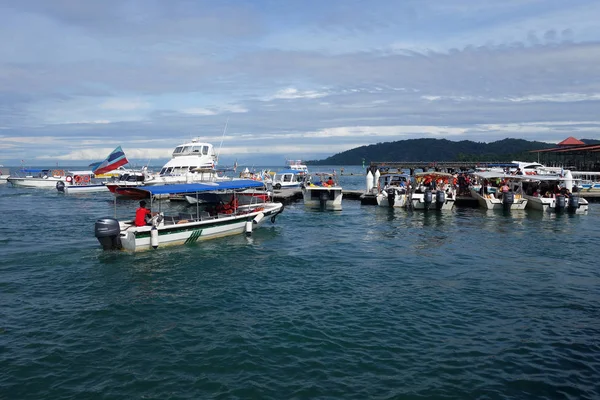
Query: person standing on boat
x=143, y=214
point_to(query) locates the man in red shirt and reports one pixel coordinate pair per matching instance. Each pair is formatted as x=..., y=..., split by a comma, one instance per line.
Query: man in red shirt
x=141, y=213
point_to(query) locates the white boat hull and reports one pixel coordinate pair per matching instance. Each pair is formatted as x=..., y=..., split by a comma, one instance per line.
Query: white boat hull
x=548, y=204
x=489, y=202
x=418, y=203
x=331, y=201
x=135, y=239
x=74, y=189
x=46, y=183
x=399, y=200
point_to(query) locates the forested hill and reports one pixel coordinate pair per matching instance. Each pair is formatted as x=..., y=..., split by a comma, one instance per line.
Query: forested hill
x=439, y=150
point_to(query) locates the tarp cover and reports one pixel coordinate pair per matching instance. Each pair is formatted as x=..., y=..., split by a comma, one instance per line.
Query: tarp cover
x=201, y=187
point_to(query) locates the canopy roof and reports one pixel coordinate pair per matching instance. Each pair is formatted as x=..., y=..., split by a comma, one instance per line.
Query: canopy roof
x=571, y=141
x=201, y=187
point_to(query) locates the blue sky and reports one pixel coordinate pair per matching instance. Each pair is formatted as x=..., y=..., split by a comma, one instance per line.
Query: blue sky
x=294, y=79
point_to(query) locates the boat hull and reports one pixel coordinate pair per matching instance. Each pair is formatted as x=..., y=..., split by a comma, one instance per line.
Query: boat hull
x=323, y=198
x=45, y=183
x=492, y=203
x=418, y=203
x=548, y=205
x=139, y=239
x=85, y=189
x=400, y=199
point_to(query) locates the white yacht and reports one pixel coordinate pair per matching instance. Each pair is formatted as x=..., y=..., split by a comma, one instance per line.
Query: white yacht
x=192, y=162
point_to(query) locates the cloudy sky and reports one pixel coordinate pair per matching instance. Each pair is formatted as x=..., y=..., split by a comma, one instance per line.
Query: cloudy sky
x=290, y=78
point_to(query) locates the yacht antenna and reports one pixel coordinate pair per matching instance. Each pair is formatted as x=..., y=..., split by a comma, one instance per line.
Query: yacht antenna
x=222, y=137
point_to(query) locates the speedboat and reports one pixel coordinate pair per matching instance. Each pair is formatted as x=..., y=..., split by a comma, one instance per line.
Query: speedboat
x=432, y=191
x=491, y=198
x=81, y=182
x=587, y=181
x=323, y=195
x=37, y=178
x=553, y=194
x=289, y=179
x=393, y=190
x=209, y=221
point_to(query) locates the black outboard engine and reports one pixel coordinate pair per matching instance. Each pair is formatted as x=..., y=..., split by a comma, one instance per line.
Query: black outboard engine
x=107, y=231
x=560, y=203
x=391, y=196
x=440, y=199
x=573, y=203
x=323, y=197
x=428, y=198
x=508, y=198
x=60, y=185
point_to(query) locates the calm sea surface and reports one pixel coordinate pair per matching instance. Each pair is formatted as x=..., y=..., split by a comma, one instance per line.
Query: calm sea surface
x=367, y=303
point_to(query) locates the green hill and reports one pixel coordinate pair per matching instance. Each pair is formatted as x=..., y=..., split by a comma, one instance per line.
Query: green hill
x=431, y=150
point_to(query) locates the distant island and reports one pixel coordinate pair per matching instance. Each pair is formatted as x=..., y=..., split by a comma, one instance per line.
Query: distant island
x=440, y=150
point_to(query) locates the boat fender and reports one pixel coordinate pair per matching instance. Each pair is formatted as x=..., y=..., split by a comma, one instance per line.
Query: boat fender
x=154, y=237
x=60, y=186
x=258, y=218
x=249, y=227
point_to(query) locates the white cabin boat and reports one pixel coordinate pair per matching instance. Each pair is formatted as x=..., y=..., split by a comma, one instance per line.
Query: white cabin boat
x=289, y=179
x=433, y=191
x=81, y=182
x=491, y=198
x=553, y=194
x=323, y=195
x=203, y=224
x=393, y=190
x=296, y=165
x=37, y=178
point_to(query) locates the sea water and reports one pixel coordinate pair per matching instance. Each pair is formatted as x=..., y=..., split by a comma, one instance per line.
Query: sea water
x=364, y=303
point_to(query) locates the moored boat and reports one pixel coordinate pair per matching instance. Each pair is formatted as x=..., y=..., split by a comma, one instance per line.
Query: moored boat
x=433, y=191
x=553, y=194
x=207, y=222
x=289, y=179
x=323, y=195
x=393, y=190
x=490, y=197
x=37, y=178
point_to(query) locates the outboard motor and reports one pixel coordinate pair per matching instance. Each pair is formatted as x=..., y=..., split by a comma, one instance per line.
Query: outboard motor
x=573, y=203
x=440, y=199
x=427, y=198
x=508, y=198
x=107, y=231
x=60, y=186
x=391, y=196
x=323, y=197
x=560, y=203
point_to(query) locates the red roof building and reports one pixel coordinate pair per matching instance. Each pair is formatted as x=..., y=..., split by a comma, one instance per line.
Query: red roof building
x=571, y=141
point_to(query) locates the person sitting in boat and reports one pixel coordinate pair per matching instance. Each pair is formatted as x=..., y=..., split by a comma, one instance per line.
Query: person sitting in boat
x=505, y=188
x=143, y=214
x=329, y=182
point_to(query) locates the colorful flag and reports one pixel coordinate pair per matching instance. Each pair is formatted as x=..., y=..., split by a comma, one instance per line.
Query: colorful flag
x=112, y=162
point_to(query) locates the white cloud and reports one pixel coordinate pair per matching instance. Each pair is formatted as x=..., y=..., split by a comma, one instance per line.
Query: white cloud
x=293, y=93
x=124, y=104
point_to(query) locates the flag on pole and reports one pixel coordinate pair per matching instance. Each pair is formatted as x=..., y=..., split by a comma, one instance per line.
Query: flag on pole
x=113, y=161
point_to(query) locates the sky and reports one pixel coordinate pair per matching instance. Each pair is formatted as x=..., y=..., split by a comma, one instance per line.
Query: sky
x=270, y=80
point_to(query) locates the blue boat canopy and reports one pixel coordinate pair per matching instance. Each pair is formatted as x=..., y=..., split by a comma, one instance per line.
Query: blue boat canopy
x=34, y=170
x=201, y=187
